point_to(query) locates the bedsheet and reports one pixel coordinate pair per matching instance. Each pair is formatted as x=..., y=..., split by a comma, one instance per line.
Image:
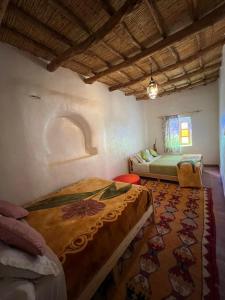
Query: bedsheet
x=43, y=288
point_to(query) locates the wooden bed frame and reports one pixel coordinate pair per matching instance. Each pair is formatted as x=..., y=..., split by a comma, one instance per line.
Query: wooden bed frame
x=110, y=264
x=151, y=175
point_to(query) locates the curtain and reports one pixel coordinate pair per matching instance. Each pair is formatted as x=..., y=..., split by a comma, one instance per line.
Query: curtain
x=171, y=134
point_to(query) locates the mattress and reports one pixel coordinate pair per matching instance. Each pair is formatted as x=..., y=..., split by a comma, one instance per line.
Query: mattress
x=165, y=165
x=84, y=223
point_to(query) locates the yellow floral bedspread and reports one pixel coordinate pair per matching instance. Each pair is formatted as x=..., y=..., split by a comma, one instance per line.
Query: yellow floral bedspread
x=85, y=222
x=70, y=224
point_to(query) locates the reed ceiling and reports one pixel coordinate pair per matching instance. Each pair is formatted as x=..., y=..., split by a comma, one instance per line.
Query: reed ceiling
x=116, y=42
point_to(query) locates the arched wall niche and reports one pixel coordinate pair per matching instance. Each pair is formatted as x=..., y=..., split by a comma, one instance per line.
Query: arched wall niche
x=68, y=137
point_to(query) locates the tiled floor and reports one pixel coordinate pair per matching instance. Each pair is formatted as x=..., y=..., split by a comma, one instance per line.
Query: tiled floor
x=211, y=178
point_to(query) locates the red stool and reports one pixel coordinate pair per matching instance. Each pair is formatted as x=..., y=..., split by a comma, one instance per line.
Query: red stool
x=129, y=178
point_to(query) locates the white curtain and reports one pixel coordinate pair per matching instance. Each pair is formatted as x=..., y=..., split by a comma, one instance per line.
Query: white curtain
x=171, y=129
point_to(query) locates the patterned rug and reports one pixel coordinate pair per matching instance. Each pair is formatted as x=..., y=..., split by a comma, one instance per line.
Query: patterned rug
x=174, y=258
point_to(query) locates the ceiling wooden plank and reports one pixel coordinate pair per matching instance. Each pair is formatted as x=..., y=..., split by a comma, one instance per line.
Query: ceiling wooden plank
x=95, y=37
x=58, y=36
x=185, y=76
x=3, y=7
x=110, y=10
x=194, y=9
x=133, y=40
x=77, y=21
x=23, y=38
x=177, y=58
x=206, y=81
x=170, y=67
x=159, y=24
x=108, y=7
x=207, y=20
x=65, y=11
x=43, y=48
x=25, y=15
x=157, y=17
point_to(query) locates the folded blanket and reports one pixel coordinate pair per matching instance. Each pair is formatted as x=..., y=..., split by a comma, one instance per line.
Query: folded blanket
x=189, y=170
x=191, y=159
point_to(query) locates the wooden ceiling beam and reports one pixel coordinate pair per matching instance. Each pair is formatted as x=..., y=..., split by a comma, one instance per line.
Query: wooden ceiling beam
x=174, y=54
x=121, y=56
x=18, y=11
x=50, y=52
x=61, y=8
x=3, y=7
x=110, y=10
x=198, y=39
x=177, y=58
x=159, y=24
x=199, y=48
x=157, y=17
x=170, y=67
x=186, y=76
x=58, y=36
x=194, y=11
x=207, y=20
x=133, y=40
x=95, y=37
x=208, y=80
x=205, y=81
x=7, y=30
x=76, y=21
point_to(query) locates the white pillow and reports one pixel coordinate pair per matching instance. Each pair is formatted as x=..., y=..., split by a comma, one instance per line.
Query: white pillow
x=150, y=158
x=19, y=264
x=139, y=158
x=134, y=160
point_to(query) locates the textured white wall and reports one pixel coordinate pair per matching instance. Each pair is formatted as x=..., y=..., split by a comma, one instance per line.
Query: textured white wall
x=222, y=119
x=205, y=138
x=116, y=123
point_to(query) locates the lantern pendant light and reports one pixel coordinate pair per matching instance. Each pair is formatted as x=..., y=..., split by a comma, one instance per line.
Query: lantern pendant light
x=152, y=88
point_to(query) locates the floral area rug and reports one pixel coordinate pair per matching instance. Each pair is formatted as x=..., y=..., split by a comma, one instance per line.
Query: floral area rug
x=174, y=257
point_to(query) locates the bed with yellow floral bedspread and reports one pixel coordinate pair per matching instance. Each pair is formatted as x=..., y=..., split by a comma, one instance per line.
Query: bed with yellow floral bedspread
x=85, y=222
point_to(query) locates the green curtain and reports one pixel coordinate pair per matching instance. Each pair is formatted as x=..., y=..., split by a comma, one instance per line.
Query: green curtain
x=171, y=134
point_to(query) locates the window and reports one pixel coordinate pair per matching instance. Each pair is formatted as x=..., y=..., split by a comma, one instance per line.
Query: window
x=177, y=131
x=185, y=131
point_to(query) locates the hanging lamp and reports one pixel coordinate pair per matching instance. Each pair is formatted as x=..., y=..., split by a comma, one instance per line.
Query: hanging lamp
x=152, y=88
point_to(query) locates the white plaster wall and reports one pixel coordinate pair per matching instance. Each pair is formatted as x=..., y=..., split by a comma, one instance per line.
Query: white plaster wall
x=116, y=124
x=204, y=124
x=222, y=119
